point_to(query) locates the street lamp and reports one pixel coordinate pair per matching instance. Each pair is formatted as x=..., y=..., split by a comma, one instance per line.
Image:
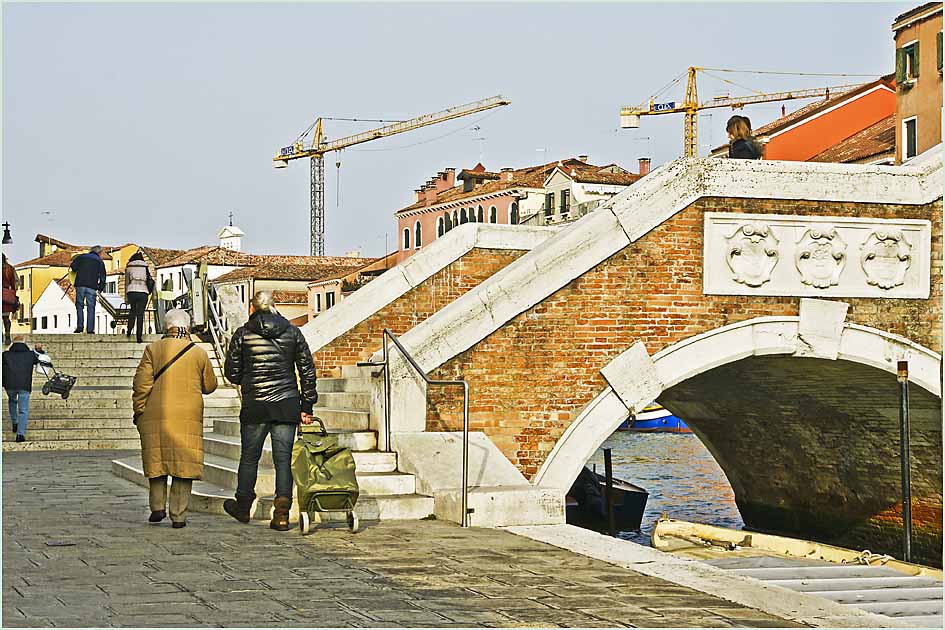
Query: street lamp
x=7, y=239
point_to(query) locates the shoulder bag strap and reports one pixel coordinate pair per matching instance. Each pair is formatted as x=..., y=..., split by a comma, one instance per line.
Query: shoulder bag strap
x=172, y=361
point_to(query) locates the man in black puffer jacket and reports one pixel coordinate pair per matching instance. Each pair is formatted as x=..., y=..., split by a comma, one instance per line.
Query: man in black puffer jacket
x=262, y=359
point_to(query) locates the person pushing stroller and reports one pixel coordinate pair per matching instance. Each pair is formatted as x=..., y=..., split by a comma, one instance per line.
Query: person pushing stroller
x=263, y=358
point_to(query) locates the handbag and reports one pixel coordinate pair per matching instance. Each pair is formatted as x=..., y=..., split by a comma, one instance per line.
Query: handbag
x=149, y=282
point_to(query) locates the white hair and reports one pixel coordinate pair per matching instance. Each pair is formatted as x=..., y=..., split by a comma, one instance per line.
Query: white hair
x=177, y=318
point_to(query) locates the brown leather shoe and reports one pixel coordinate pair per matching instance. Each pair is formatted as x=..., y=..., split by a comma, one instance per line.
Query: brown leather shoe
x=157, y=516
x=280, y=514
x=239, y=508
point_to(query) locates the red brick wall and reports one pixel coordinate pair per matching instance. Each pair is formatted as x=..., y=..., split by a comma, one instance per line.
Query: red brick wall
x=529, y=379
x=417, y=304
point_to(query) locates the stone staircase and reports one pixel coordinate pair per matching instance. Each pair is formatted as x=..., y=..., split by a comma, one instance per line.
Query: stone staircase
x=98, y=412
x=343, y=403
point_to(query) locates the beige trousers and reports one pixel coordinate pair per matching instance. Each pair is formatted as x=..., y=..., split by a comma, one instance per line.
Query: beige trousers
x=179, y=496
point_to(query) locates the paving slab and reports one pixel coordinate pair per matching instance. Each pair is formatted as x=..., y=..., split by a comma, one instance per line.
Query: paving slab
x=78, y=552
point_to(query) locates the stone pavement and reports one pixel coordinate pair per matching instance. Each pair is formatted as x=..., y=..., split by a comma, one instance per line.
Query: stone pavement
x=77, y=551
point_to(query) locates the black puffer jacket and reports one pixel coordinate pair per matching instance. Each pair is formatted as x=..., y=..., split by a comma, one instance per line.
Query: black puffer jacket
x=263, y=357
x=18, y=364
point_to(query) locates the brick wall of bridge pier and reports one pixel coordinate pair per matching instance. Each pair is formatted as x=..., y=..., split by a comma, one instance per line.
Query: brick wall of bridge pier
x=531, y=377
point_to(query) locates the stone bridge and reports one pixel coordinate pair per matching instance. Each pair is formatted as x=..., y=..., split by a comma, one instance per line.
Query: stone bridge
x=766, y=303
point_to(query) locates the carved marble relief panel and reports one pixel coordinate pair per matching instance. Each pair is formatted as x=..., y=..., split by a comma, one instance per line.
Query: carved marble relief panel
x=770, y=254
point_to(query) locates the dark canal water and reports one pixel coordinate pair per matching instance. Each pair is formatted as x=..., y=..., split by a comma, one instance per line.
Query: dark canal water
x=683, y=479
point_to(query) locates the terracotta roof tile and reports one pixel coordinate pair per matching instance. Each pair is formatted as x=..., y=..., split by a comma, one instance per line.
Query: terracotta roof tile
x=290, y=297
x=308, y=272
x=42, y=238
x=67, y=287
x=875, y=140
x=59, y=258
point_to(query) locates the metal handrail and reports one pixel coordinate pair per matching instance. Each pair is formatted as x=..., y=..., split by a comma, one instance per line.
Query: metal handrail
x=214, y=322
x=390, y=335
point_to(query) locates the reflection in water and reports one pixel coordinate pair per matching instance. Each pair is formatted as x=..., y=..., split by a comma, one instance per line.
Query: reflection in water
x=683, y=479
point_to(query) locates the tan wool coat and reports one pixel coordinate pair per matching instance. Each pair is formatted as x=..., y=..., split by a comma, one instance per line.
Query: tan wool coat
x=170, y=412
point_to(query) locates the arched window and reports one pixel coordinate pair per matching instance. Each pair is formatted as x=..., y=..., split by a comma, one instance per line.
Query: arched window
x=479, y=216
x=440, y=227
x=448, y=221
x=406, y=238
x=493, y=215
x=417, y=236
x=462, y=216
x=455, y=218
x=513, y=213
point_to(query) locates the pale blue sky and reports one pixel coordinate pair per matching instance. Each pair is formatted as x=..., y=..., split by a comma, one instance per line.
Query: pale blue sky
x=149, y=123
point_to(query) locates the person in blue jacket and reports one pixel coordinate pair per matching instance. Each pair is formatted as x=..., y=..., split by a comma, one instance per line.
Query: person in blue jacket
x=89, y=281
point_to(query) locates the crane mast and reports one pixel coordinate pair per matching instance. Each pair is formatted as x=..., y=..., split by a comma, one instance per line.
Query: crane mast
x=690, y=107
x=319, y=147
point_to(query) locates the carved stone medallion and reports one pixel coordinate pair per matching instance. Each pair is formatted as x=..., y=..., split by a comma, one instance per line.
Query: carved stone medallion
x=820, y=257
x=885, y=257
x=752, y=254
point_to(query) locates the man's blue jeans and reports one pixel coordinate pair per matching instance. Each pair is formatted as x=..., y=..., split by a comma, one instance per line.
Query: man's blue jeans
x=19, y=401
x=252, y=438
x=85, y=296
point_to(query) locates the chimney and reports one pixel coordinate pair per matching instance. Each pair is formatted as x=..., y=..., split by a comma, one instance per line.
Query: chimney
x=419, y=193
x=450, y=178
x=507, y=174
x=644, y=166
x=582, y=158
x=430, y=194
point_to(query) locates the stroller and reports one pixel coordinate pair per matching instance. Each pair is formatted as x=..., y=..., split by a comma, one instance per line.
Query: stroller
x=324, y=474
x=58, y=383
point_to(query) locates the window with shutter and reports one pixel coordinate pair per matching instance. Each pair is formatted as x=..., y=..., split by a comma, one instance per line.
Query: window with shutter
x=938, y=50
x=406, y=238
x=514, y=218
x=549, y=204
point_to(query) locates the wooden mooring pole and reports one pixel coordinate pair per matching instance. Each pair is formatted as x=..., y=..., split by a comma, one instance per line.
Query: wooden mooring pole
x=902, y=375
x=609, y=479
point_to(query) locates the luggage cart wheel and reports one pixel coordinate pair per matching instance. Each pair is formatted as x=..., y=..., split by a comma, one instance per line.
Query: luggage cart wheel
x=353, y=523
x=46, y=389
x=305, y=523
x=65, y=395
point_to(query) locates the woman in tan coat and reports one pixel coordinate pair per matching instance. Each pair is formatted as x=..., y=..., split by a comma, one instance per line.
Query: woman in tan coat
x=168, y=410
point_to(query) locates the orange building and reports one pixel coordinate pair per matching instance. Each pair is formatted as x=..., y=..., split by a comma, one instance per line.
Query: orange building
x=819, y=126
x=918, y=35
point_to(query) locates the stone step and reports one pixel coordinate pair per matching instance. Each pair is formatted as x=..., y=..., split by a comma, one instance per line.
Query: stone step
x=360, y=401
x=81, y=392
x=334, y=420
x=61, y=424
x=91, y=378
x=64, y=413
x=40, y=403
x=47, y=435
x=355, y=440
x=67, y=364
x=356, y=372
x=221, y=471
x=366, y=460
x=72, y=445
x=344, y=385
x=208, y=498
x=83, y=338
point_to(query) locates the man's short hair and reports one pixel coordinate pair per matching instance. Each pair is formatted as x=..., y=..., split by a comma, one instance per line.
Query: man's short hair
x=18, y=338
x=177, y=318
x=263, y=301
x=96, y=249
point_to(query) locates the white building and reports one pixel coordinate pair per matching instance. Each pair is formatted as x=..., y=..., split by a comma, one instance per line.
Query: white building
x=54, y=311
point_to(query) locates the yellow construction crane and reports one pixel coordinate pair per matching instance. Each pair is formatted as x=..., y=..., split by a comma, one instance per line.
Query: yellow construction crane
x=320, y=146
x=630, y=116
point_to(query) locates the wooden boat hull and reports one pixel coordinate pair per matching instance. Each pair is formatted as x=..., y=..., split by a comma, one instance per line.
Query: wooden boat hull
x=709, y=541
x=629, y=505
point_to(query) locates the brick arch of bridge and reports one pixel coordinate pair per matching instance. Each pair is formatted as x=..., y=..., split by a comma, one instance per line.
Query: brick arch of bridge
x=754, y=395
